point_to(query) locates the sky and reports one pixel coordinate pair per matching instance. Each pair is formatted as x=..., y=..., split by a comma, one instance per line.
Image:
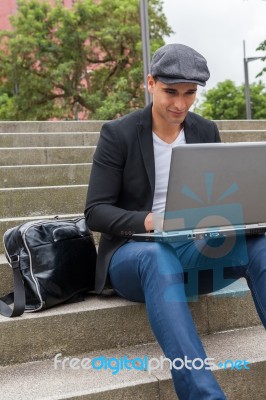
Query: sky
x=216, y=29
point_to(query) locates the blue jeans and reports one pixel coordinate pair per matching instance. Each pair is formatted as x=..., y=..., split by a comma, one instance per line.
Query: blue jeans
x=154, y=273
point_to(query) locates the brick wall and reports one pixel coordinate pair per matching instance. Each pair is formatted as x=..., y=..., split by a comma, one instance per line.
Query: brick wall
x=9, y=7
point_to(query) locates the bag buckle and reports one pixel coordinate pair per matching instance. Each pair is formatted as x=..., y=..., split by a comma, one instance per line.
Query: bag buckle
x=14, y=260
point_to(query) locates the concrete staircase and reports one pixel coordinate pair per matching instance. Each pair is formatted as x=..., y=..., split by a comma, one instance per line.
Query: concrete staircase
x=44, y=171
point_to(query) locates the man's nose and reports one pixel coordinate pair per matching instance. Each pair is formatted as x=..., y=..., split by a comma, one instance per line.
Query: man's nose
x=180, y=103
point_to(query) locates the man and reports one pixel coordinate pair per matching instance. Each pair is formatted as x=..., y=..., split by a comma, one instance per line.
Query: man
x=127, y=188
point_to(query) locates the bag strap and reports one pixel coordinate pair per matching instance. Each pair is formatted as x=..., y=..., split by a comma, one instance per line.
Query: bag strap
x=18, y=296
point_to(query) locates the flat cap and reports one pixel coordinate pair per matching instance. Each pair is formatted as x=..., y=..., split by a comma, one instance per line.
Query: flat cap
x=175, y=63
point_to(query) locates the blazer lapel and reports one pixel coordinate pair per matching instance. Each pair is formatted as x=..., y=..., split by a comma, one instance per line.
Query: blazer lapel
x=191, y=130
x=146, y=144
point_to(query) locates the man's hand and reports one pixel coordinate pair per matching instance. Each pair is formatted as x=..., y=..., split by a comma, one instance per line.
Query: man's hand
x=148, y=222
x=154, y=222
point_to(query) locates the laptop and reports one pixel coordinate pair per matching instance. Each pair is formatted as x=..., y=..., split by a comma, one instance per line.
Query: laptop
x=215, y=190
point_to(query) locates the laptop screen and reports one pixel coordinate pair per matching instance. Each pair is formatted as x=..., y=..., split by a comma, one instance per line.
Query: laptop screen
x=216, y=184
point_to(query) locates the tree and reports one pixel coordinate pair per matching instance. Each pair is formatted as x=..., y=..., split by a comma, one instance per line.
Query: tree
x=59, y=62
x=262, y=47
x=227, y=101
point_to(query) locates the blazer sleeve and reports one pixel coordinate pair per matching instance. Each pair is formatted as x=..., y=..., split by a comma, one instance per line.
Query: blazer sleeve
x=102, y=213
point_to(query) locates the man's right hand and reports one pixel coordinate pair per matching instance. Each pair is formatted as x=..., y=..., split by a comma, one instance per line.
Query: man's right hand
x=148, y=222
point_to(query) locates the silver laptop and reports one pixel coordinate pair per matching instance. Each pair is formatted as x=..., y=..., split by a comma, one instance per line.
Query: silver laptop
x=215, y=190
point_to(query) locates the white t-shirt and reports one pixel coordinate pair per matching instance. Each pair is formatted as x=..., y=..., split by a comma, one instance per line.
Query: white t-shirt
x=162, y=157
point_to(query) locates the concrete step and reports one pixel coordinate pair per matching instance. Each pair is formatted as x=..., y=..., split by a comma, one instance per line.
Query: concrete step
x=46, y=155
x=67, y=139
x=46, y=200
x=241, y=124
x=42, y=381
x=49, y=139
x=6, y=277
x=99, y=323
x=107, y=321
x=95, y=126
x=243, y=136
x=44, y=175
x=49, y=126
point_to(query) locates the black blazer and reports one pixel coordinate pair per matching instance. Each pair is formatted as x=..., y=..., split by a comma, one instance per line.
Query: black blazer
x=122, y=181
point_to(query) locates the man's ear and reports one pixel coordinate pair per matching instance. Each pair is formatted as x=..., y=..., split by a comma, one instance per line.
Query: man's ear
x=151, y=83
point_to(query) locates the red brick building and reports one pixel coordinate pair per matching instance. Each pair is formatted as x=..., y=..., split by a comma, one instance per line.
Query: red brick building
x=9, y=7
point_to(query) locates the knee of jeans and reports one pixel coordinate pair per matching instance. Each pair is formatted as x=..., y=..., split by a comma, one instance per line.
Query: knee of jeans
x=158, y=258
x=257, y=256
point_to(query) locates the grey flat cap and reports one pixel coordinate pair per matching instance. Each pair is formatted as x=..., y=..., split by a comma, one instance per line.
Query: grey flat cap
x=175, y=63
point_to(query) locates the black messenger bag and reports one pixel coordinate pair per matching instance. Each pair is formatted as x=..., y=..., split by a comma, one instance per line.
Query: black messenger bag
x=52, y=261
